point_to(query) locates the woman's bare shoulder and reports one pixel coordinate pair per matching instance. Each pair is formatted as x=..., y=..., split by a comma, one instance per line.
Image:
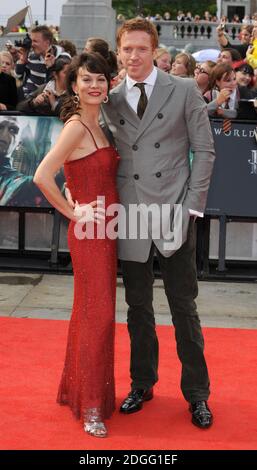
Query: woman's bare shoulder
x=75, y=125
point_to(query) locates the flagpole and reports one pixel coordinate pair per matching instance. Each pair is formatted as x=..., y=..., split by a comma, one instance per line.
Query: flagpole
x=29, y=13
x=45, y=8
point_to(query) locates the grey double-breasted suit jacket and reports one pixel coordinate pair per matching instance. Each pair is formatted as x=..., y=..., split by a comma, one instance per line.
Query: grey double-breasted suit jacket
x=154, y=166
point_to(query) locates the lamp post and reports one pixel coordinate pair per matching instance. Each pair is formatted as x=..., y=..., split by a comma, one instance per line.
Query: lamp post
x=139, y=6
x=45, y=8
x=219, y=9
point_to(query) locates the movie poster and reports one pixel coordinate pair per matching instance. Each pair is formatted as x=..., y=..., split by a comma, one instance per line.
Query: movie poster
x=24, y=141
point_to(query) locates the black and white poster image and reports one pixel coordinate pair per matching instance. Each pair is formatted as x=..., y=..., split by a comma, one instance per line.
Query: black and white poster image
x=24, y=141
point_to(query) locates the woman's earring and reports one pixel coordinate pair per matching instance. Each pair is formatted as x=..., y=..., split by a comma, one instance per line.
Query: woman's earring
x=106, y=99
x=76, y=100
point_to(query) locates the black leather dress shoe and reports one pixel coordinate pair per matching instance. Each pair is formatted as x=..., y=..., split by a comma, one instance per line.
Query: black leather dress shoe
x=201, y=414
x=135, y=399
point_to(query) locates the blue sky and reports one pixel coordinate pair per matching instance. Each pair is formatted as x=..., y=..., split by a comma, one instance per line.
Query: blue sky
x=54, y=9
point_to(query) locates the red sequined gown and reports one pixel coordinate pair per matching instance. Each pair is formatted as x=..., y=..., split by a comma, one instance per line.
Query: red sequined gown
x=88, y=376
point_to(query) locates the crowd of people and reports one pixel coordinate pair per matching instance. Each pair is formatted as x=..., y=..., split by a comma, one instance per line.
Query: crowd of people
x=188, y=17
x=32, y=77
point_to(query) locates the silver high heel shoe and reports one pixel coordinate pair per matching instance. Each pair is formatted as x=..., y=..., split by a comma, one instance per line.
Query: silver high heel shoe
x=93, y=424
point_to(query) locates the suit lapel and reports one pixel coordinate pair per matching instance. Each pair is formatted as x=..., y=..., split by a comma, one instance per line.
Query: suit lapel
x=118, y=99
x=163, y=88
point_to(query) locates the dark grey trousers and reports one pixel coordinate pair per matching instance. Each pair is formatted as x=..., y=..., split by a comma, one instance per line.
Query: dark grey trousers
x=180, y=283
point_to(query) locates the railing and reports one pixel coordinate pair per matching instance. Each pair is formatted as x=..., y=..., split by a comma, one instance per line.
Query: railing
x=201, y=35
x=174, y=33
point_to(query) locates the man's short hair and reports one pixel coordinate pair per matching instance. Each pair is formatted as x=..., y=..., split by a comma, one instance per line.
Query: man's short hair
x=138, y=24
x=45, y=31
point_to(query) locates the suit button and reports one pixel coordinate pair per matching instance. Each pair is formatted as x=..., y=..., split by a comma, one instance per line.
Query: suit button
x=160, y=116
x=135, y=147
x=158, y=174
x=136, y=177
x=157, y=145
x=122, y=122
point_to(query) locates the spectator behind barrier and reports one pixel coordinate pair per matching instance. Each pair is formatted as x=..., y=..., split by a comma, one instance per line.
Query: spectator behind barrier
x=47, y=99
x=251, y=54
x=68, y=46
x=228, y=56
x=203, y=73
x=7, y=63
x=183, y=65
x=224, y=95
x=245, y=38
x=8, y=91
x=163, y=59
x=102, y=47
x=245, y=80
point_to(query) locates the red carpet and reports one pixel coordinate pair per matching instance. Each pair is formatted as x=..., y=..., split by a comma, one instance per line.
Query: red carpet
x=32, y=353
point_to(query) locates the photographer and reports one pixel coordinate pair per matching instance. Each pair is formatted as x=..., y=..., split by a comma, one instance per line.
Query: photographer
x=35, y=67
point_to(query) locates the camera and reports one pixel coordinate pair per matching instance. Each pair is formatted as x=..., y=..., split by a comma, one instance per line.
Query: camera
x=52, y=50
x=9, y=44
x=26, y=43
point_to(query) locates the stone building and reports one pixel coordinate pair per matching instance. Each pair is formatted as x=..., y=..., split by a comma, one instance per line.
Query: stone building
x=241, y=8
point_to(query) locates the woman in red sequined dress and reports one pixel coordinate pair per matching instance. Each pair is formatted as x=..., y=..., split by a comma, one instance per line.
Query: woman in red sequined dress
x=90, y=165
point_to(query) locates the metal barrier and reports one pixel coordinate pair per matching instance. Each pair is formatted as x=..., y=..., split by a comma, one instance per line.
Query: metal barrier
x=33, y=235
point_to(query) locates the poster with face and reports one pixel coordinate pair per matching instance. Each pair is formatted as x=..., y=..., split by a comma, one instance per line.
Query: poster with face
x=24, y=141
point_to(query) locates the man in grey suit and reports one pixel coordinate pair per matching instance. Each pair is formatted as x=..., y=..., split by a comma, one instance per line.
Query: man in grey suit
x=155, y=119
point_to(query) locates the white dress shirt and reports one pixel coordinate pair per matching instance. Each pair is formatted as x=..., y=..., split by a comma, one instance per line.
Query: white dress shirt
x=133, y=93
x=232, y=100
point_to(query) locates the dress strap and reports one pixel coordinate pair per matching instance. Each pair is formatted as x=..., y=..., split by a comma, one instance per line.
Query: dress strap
x=90, y=132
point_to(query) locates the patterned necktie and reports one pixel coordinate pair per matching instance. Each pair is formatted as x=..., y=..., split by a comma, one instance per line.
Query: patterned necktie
x=142, y=103
x=226, y=125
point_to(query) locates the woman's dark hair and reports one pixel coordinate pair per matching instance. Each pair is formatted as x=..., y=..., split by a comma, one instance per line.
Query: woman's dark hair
x=102, y=47
x=68, y=46
x=235, y=55
x=94, y=63
x=60, y=64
